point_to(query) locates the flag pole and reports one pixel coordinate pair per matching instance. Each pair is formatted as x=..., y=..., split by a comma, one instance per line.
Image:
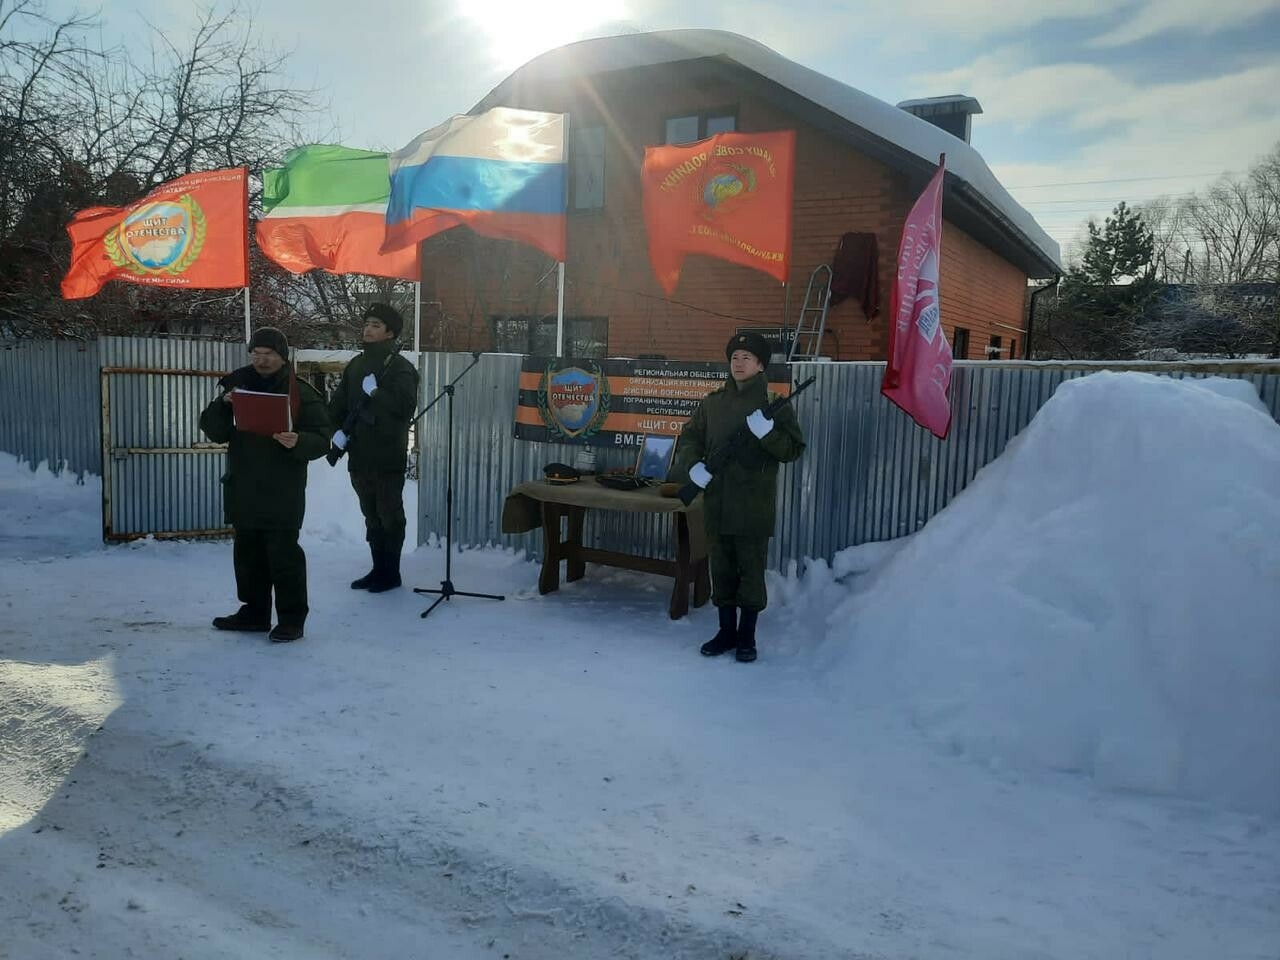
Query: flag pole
x=417, y=316
x=786, y=319
x=248, y=334
x=560, y=310
x=564, y=155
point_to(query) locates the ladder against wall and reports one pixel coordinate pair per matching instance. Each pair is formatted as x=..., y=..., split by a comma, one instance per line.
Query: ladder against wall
x=812, y=322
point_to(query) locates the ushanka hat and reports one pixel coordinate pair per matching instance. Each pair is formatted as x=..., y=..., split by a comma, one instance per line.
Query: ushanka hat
x=753, y=343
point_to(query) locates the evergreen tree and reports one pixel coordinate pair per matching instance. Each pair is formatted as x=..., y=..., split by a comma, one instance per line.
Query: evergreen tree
x=1106, y=295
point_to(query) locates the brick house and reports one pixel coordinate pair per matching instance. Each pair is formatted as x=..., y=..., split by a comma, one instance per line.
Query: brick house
x=860, y=164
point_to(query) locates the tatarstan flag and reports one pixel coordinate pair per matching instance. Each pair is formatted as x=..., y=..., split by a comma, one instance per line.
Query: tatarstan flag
x=326, y=209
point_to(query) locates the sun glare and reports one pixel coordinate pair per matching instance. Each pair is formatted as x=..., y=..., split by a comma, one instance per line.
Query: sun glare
x=519, y=30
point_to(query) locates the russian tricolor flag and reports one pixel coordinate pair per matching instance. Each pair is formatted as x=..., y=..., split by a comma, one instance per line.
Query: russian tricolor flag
x=502, y=173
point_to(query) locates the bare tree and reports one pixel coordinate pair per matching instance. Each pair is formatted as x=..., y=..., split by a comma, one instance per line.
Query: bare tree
x=1236, y=225
x=82, y=126
x=1219, y=253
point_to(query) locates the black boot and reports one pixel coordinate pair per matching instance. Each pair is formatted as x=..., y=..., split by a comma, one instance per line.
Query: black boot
x=364, y=582
x=286, y=633
x=727, y=637
x=388, y=572
x=245, y=621
x=747, y=636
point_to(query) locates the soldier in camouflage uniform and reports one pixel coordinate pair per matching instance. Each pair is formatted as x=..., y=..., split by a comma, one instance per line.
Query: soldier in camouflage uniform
x=374, y=402
x=264, y=489
x=739, y=501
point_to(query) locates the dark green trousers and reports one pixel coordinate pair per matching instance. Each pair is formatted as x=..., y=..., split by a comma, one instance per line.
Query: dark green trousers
x=382, y=503
x=737, y=571
x=267, y=560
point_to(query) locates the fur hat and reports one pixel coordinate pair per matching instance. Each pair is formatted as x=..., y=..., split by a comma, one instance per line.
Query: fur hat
x=272, y=339
x=753, y=343
x=389, y=316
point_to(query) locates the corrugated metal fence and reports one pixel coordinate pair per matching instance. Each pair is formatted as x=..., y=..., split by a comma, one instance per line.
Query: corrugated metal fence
x=869, y=473
x=162, y=476
x=50, y=411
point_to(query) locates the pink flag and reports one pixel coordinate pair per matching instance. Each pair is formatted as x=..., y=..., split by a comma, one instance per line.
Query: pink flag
x=918, y=374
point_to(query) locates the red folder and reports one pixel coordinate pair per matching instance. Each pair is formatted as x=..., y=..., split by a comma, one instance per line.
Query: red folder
x=264, y=413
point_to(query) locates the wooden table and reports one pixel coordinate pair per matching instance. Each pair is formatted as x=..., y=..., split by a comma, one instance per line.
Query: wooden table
x=538, y=503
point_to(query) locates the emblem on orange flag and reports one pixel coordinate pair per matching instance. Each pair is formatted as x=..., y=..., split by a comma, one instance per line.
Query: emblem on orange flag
x=728, y=197
x=189, y=232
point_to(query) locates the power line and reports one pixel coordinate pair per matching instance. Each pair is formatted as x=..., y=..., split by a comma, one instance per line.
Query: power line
x=1081, y=183
x=1159, y=196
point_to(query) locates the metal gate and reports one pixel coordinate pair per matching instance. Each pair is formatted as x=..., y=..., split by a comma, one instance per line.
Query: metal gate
x=160, y=477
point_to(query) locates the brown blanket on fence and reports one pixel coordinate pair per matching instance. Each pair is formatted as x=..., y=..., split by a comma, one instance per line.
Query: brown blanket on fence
x=855, y=272
x=521, y=511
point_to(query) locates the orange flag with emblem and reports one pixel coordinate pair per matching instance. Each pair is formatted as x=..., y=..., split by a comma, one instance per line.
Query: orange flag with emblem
x=189, y=232
x=728, y=197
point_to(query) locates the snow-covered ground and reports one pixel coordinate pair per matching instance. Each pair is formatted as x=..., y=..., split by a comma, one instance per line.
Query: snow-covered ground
x=1043, y=727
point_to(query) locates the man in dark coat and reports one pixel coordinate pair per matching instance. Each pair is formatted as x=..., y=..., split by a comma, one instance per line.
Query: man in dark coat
x=374, y=402
x=264, y=489
x=739, y=500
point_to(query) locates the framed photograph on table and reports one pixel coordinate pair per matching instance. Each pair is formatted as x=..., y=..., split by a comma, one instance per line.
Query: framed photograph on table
x=655, y=457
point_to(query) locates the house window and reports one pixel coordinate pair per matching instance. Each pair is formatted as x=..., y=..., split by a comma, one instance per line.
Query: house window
x=682, y=129
x=585, y=337
x=586, y=169
x=1013, y=349
x=993, y=351
x=960, y=344
x=721, y=123
x=692, y=127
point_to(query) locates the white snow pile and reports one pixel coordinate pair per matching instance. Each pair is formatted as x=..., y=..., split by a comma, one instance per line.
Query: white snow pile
x=1104, y=598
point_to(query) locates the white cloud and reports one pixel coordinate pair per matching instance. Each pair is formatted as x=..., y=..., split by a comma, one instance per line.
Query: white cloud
x=966, y=20
x=1158, y=16
x=1012, y=93
x=1121, y=131
x=808, y=30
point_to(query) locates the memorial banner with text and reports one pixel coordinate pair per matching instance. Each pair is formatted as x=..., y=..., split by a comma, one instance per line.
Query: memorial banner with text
x=615, y=403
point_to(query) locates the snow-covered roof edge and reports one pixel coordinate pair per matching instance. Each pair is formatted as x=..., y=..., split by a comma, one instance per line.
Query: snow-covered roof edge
x=883, y=120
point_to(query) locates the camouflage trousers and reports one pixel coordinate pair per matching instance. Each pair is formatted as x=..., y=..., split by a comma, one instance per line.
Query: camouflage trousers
x=737, y=571
x=382, y=503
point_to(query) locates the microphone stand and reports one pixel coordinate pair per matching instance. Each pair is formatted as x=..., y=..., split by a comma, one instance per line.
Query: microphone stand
x=447, y=590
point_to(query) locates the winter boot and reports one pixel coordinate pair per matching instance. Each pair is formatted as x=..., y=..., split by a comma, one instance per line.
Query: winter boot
x=747, y=636
x=370, y=577
x=245, y=621
x=387, y=577
x=727, y=637
x=286, y=633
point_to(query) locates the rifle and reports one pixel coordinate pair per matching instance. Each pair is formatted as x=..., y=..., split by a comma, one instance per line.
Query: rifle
x=356, y=413
x=359, y=412
x=732, y=448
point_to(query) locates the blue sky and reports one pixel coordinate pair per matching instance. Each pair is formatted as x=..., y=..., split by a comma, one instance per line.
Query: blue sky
x=1149, y=97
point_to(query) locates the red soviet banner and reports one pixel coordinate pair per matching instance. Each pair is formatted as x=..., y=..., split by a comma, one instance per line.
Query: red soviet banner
x=192, y=231
x=728, y=197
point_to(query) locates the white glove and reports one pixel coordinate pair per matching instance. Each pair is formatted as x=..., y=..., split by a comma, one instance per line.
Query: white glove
x=759, y=424
x=339, y=440
x=700, y=475
x=369, y=384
